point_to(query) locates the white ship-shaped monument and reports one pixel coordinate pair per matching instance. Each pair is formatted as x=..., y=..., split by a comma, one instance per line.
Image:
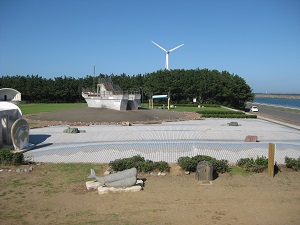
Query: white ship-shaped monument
x=111, y=96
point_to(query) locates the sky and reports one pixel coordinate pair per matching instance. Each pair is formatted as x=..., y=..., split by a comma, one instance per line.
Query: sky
x=258, y=40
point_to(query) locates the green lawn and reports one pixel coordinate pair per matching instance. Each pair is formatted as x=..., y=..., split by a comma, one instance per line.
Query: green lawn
x=193, y=109
x=196, y=109
x=39, y=108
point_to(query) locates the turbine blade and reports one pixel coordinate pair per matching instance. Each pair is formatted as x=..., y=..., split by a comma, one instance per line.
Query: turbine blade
x=159, y=46
x=176, y=47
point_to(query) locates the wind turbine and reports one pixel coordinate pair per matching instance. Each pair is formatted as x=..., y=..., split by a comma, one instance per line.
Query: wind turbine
x=167, y=53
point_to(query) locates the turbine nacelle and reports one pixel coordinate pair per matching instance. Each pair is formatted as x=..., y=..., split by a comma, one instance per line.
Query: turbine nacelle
x=167, y=53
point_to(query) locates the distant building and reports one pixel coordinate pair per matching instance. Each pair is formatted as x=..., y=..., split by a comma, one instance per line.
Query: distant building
x=9, y=113
x=10, y=95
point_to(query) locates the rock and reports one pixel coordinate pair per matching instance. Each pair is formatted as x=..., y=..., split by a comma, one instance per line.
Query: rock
x=250, y=138
x=154, y=174
x=140, y=182
x=71, y=130
x=107, y=172
x=187, y=172
x=126, y=123
x=92, y=185
x=18, y=170
x=105, y=190
x=233, y=124
x=204, y=171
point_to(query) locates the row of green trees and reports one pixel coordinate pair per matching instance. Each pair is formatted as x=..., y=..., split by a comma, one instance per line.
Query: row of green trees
x=208, y=86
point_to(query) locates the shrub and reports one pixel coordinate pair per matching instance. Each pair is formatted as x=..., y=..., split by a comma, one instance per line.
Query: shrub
x=190, y=164
x=147, y=166
x=219, y=112
x=187, y=164
x=18, y=158
x=251, y=165
x=139, y=163
x=292, y=163
x=162, y=166
x=221, y=166
x=229, y=116
x=7, y=157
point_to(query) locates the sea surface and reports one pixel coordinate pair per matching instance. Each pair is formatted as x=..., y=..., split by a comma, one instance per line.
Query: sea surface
x=279, y=102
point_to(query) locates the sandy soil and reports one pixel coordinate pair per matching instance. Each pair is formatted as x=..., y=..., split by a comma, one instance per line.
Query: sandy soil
x=39, y=198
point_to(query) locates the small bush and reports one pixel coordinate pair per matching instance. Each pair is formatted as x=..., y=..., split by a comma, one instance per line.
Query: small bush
x=219, y=112
x=7, y=157
x=190, y=164
x=162, y=166
x=292, y=163
x=139, y=163
x=18, y=158
x=251, y=165
x=229, y=116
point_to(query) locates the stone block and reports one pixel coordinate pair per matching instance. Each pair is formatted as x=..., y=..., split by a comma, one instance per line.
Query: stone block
x=250, y=138
x=92, y=185
x=105, y=190
x=204, y=171
x=126, y=123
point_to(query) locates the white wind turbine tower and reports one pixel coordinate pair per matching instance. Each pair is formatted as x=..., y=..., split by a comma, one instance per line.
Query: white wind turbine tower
x=167, y=53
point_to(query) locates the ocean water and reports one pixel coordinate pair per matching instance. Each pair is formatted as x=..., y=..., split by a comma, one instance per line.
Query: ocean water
x=280, y=102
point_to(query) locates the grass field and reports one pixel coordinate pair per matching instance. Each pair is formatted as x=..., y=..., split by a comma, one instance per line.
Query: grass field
x=39, y=108
x=192, y=109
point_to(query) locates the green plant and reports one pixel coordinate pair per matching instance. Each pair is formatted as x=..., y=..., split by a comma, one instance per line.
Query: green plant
x=139, y=163
x=147, y=166
x=221, y=166
x=187, y=164
x=251, y=165
x=6, y=156
x=292, y=163
x=190, y=164
x=18, y=158
x=162, y=166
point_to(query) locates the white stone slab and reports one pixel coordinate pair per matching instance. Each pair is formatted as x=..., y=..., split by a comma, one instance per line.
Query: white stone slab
x=92, y=185
x=105, y=190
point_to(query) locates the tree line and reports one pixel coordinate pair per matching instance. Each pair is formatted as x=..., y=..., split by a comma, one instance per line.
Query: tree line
x=207, y=86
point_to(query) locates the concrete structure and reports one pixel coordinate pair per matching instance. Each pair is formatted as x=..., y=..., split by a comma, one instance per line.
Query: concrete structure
x=165, y=141
x=9, y=113
x=10, y=95
x=111, y=96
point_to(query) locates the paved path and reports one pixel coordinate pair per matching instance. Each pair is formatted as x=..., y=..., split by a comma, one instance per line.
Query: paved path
x=289, y=117
x=167, y=141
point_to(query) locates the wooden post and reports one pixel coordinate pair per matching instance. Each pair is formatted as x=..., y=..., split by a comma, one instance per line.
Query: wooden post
x=271, y=159
x=168, y=103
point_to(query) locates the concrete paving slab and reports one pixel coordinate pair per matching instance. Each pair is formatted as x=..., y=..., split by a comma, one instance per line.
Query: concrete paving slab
x=166, y=141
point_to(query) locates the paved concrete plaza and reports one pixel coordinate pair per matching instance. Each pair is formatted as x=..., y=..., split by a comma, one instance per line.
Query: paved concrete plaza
x=167, y=141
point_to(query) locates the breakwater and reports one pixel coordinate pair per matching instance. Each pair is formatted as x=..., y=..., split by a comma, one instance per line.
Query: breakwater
x=286, y=96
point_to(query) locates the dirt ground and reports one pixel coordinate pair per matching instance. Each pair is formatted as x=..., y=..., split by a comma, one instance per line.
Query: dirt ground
x=43, y=197
x=85, y=116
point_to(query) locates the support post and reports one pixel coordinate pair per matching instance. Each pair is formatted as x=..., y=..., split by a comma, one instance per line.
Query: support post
x=271, y=159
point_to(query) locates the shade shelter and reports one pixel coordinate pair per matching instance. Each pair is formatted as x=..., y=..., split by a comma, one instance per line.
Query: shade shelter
x=151, y=101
